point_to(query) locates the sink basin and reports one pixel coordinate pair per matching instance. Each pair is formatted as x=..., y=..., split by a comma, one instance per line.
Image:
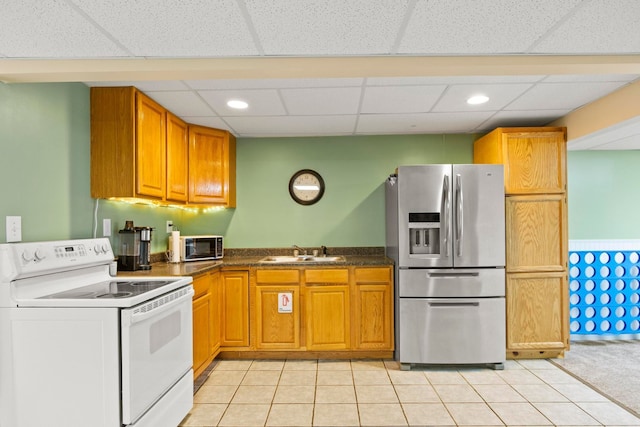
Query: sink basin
x=302, y=259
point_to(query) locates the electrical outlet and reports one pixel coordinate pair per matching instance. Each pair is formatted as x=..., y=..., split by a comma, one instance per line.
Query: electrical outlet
x=169, y=226
x=14, y=229
x=106, y=227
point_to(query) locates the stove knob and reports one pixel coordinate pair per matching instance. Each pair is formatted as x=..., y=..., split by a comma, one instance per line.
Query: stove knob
x=39, y=255
x=27, y=255
x=97, y=249
x=105, y=249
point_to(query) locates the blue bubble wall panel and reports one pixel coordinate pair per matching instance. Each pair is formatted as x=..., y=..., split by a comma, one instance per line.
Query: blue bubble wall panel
x=604, y=292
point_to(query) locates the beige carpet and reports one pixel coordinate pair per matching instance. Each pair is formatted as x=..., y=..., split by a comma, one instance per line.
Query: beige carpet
x=611, y=367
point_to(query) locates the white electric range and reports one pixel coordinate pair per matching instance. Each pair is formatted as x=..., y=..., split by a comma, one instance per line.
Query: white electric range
x=79, y=347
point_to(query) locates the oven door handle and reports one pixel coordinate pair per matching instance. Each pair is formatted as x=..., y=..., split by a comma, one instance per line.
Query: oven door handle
x=157, y=306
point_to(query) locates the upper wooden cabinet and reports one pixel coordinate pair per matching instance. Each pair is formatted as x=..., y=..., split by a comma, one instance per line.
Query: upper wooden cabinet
x=128, y=134
x=177, y=159
x=534, y=159
x=212, y=159
x=140, y=150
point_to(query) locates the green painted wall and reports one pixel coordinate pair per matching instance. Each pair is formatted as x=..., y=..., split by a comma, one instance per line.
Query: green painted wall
x=604, y=196
x=45, y=160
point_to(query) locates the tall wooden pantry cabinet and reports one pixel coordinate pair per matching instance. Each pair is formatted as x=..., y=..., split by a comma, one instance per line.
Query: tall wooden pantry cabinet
x=537, y=295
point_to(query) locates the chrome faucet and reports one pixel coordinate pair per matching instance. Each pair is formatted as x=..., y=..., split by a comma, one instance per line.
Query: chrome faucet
x=304, y=251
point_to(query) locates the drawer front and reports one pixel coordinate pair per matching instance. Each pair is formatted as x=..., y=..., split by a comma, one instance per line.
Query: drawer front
x=373, y=275
x=452, y=330
x=277, y=276
x=201, y=285
x=338, y=275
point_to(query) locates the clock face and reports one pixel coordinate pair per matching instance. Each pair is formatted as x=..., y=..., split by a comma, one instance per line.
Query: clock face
x=306, y=187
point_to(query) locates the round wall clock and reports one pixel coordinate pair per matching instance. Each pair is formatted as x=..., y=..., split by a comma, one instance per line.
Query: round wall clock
x=306, y=187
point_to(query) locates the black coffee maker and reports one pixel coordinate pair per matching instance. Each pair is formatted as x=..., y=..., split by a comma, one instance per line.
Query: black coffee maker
x=135, y=248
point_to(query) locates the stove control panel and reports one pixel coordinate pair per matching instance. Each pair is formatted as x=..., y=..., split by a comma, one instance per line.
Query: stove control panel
x=42, y=257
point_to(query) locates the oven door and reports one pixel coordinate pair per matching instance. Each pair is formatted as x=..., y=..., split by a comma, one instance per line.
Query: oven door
x=156, y=350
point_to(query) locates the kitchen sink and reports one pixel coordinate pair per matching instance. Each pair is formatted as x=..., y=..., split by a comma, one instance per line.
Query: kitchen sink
x=302, y=259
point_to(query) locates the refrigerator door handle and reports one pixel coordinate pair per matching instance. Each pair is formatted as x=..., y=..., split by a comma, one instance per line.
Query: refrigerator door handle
x=459, y=218
x=446, y=204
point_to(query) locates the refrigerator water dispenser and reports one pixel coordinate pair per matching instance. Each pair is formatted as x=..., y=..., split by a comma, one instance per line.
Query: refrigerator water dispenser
x=424, y=233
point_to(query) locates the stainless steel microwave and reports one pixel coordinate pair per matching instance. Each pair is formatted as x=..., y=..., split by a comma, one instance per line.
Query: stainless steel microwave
x=198, y=248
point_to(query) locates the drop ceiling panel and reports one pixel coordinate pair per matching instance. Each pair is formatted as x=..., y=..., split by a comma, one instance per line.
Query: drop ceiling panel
x=181, y=103
x=400, y=99
x=330, y=101
x=559, y=96
x=371, y=124
x=146, y=86
x=175, y=28
x=598, y=26
x=449, y=80
x=271, y=83
x=292, y=125
x=265, y=102
x=329, y=27
x=51, y=29
x=480, y=26
x=575, y=78
x=455, y=97
x=521, y=119
x=214, y=122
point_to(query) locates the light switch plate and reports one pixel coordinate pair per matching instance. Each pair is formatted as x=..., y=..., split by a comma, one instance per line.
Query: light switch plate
x=106, y=227
x=14, y=229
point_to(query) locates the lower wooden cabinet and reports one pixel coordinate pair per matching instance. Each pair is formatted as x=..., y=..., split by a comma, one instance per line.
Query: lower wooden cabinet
x=537, y=314
x=277, y=317
x=373, y=308
x=327, y=316
x=202, y=311
x=234, y=308
x=214, y=321
x=300, y=309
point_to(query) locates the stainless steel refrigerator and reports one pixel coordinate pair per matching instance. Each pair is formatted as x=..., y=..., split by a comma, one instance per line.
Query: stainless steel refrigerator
x=445, y=231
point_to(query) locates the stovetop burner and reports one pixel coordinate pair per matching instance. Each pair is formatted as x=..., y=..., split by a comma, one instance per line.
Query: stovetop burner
x=115, y=295
x=110, y=289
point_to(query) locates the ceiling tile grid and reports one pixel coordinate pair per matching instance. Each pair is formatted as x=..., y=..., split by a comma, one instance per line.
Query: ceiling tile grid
x=374, y=102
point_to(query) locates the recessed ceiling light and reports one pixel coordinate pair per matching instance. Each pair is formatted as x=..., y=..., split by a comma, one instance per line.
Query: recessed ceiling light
x=477, y=99
x=237, y=104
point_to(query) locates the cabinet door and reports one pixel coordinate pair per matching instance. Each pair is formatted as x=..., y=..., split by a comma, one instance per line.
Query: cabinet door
x=275, y=329
x=373, y=308
x=215, y=313
x=537, y=313
x=535, y=162
x=327, y=319
x=235, y=308
x=536, y=233
x=150, y=147
x=211, y=170
x=201, y=333
x=177, y=159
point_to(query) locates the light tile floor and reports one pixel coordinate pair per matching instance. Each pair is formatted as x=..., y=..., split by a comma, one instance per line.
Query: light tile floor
x=376, y=393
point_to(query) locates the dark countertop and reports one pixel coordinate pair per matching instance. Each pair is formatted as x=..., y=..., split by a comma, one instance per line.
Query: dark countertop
x=243, y=260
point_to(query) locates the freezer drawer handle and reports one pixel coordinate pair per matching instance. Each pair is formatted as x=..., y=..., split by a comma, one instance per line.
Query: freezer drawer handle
x=454, y=304
x=470, y=274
